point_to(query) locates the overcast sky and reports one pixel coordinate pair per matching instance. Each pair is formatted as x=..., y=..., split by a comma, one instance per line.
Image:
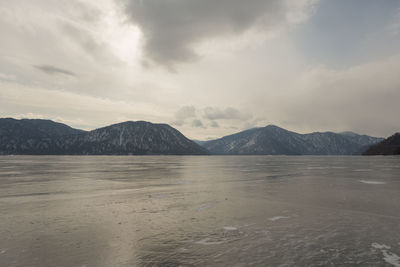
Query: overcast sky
x=207, y=67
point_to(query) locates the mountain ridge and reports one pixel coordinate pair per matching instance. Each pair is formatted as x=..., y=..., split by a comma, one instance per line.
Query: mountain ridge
x=274, y=140
x=125, y=138
x=46, y=137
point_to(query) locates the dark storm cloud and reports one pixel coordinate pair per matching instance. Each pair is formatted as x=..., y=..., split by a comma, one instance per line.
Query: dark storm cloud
x=172, y=27
x=49, y=69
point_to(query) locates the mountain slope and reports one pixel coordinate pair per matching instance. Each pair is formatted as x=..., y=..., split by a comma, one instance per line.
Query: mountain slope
x=364, y=141
x=199, y=142
x=29, y=136
x=389, y=146
x=272, y=140
x=49, y=138
x=131, y=138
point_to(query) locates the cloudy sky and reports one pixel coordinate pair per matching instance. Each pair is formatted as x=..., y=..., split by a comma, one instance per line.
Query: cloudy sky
x=207, y=67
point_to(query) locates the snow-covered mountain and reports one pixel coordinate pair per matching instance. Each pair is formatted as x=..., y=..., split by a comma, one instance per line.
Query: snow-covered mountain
x=273, y=140
x=140, y=138
x=363, y=140
x=137, y=138
x=45, y=137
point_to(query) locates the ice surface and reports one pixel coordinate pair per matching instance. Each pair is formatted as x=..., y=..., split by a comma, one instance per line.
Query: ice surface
x=158, y=196
x=124, y=211
x=204, y=207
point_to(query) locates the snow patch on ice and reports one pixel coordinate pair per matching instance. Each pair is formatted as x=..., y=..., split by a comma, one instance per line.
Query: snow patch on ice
x=229, y=228
x=371, y=182
x=391, y=258
x=388, y=256
x=206, y=241
x=380, y=246
x=278, y=218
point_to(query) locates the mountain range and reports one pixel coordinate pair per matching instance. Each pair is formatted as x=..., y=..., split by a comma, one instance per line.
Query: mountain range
x=273, y=140
x=46, y=137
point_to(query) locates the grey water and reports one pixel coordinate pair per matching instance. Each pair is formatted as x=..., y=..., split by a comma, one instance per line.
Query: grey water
x=199, y=211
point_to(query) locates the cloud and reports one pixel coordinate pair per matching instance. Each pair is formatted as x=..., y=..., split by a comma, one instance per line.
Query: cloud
x=86, y=40
x=253, y=69
x=185, y=113
x=172, y=28
x=213, y=113
x=214, y=124
x=362, y=98
x=48, y=69
x=7, y=77
x=80, y=110
x=198, y=124
x=394, y=26
x=191, y=118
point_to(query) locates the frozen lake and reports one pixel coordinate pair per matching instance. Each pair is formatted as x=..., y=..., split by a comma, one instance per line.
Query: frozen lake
x=199, y=211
